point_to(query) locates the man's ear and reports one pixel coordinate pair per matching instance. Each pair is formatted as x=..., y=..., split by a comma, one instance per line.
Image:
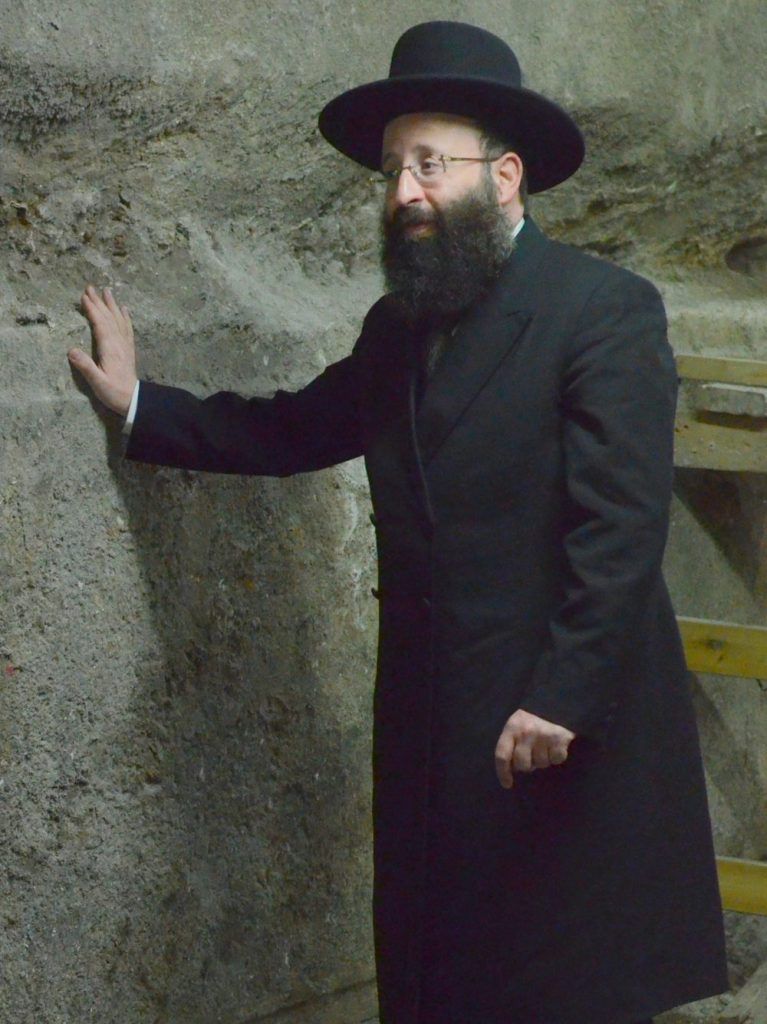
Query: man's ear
x=508, y=176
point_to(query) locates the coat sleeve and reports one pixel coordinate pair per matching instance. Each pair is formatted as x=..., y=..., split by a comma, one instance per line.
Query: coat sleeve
x=291, y=432
x=618, y=403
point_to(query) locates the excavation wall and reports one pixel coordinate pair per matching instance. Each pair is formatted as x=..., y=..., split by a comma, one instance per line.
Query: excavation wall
x=186, y=660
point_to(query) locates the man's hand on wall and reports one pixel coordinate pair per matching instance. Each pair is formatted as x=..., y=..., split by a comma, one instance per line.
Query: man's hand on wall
x=529, y=742
x=112, y=375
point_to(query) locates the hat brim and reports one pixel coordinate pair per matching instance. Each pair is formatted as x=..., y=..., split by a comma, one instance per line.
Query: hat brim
x=547, y=139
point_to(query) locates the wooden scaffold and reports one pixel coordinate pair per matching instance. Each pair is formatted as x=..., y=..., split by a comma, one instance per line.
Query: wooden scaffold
x=722, y=424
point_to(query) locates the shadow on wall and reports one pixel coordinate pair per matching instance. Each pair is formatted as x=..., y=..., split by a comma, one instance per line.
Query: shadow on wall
x=255, y=778
x=731, y=510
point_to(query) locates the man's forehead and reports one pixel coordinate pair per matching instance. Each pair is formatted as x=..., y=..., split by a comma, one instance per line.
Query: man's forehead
x=428, y=127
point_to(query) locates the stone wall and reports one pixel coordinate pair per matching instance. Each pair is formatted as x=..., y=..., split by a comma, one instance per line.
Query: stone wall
x=186, y=661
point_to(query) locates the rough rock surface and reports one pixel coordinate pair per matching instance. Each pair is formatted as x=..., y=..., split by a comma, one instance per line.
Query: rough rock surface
x=186, y=661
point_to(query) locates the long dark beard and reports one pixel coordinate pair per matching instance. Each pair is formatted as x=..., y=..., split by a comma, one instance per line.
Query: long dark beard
x=439, y=275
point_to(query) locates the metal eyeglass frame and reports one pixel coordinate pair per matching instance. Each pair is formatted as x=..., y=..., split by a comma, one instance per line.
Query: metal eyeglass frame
x=390, y=178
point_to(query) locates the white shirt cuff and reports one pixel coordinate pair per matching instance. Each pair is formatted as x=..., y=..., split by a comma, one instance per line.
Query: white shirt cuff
x=131, y=415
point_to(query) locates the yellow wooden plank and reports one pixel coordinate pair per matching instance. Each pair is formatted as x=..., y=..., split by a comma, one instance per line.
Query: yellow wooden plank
x=743, y=885
x=723, y=369
x=724, y=648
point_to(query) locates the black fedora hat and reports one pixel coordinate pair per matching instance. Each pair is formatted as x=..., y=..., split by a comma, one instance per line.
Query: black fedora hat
x=448, y=67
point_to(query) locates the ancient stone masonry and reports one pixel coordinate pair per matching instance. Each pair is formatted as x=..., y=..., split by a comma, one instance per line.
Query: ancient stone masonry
x=186, y=661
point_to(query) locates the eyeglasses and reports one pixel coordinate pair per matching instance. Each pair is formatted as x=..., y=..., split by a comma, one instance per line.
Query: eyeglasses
x=429, y=171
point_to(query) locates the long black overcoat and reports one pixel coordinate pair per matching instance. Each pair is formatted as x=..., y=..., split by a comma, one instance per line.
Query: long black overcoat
x=521, y=513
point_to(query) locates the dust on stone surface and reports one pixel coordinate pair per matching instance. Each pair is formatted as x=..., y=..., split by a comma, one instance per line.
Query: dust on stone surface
x=186, y=661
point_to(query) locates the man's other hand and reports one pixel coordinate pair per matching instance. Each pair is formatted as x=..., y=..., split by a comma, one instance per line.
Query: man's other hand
x=112, y=375
x=529, y=742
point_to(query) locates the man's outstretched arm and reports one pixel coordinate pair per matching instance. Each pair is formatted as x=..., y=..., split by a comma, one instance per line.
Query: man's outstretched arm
x=315, y=427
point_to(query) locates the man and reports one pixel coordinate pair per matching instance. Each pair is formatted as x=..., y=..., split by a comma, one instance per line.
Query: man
x=542, y=847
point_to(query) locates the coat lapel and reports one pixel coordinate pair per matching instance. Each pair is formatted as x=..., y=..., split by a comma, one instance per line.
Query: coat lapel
x=485, y=336
x=392, y=453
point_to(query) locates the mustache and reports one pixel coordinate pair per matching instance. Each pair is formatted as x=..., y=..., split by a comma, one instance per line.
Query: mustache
x=409, y=216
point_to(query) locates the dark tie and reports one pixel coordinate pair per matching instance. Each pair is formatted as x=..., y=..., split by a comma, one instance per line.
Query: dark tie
x=435, y=342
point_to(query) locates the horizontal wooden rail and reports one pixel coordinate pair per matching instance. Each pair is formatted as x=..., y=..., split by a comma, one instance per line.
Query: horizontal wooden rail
x=721, y=417
x=724, y=648
x=723, y=370
x=743, y=885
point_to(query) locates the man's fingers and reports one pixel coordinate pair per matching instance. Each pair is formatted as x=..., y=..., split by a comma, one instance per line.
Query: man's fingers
x=528, y=743
x=95, y=311
x=548, y=752
x=87, y=367
x=81, y=360
x=112, y=374
x=127, y=323
x=541, y=756
x=504, y=752
x=523, y=755
x=558, y=754
x=92, y=298
x=99, y=305
x=98, y=308
x=109, y=302
x=110, y=324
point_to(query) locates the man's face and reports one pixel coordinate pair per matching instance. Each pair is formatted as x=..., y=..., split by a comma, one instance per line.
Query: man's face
x=413, y=137
x=444, y=244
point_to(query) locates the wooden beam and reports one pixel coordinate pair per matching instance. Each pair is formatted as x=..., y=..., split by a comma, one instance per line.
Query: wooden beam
x=725, y=437
x=743, y=885
x=722, y=369
x=724, y=648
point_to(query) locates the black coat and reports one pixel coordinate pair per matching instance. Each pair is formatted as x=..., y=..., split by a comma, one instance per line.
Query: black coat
x=521, y=513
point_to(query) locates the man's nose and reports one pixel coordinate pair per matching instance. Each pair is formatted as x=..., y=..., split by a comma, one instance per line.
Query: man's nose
x=408, y=190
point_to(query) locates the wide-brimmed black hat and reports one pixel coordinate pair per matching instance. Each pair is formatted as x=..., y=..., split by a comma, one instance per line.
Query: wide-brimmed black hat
x=448, y=67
